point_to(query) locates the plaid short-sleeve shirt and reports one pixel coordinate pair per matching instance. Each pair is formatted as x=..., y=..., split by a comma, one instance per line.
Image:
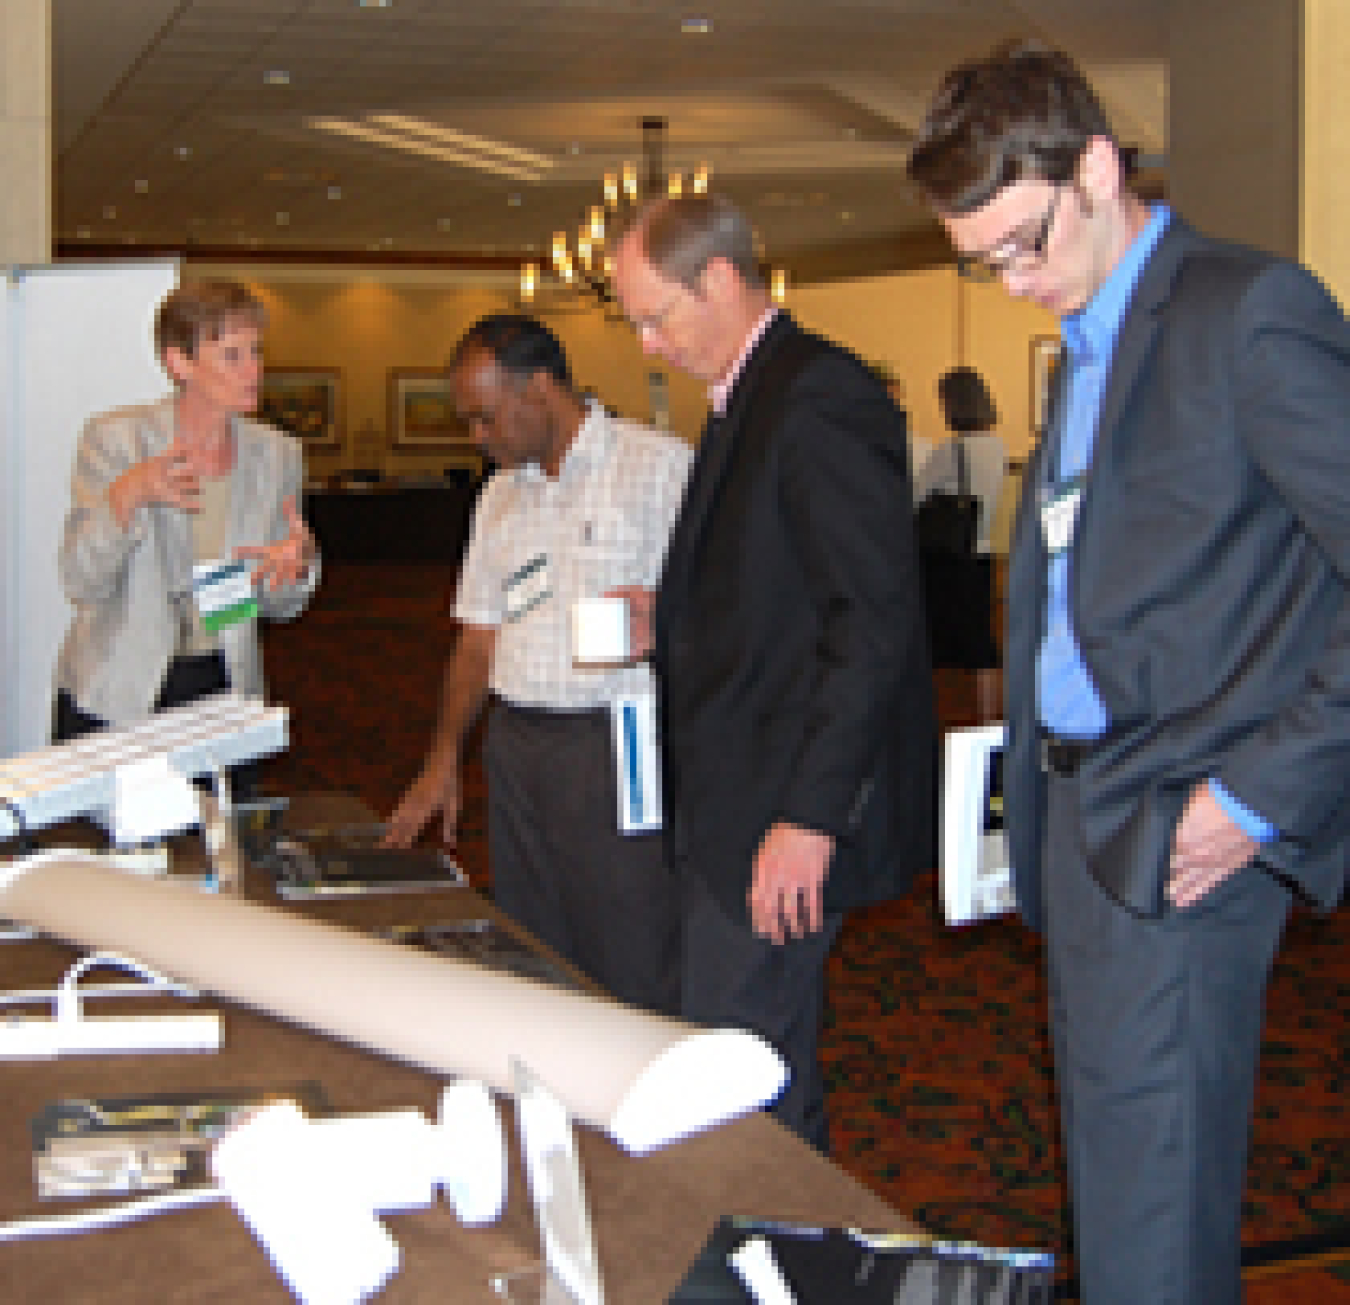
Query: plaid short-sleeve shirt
x=605, y=521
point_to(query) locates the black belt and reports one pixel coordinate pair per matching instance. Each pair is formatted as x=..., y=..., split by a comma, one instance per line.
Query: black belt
x=1062, y=757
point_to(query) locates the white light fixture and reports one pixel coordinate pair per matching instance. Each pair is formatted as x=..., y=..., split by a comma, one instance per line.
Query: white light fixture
x=397, y=131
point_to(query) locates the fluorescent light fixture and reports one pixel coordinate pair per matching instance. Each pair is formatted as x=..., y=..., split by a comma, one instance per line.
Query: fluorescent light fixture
x=434, y=131
x=413, y=136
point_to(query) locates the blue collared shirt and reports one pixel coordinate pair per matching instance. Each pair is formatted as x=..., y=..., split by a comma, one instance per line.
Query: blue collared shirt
x=1068, y=702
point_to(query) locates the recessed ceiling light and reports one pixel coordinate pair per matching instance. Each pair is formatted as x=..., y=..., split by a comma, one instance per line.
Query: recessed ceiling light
x=276, y=77
x=183, y=151
x=142, y=186
x=696, y=26
x=110, y=211
x=334, y=192
x=846, y=216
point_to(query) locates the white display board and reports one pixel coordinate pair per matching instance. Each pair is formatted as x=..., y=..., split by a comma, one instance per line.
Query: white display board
x=77, y=340
x=975, y=877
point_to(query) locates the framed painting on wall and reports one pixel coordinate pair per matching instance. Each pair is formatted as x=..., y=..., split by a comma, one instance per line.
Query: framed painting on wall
x=1045, y=351
x=304, y=402
x=422, y=417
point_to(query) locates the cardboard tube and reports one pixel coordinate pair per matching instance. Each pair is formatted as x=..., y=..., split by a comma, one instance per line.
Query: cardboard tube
x=645, y=1079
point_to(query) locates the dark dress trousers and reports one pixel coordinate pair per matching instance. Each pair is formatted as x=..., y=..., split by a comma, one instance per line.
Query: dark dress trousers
x=1208, y=595
x=795, y=687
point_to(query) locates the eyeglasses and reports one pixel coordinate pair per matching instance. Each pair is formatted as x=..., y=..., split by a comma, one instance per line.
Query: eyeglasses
x=1020, y=252
x=653, y=322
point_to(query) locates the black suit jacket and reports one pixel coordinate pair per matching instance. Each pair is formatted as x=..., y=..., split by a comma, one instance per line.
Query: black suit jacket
x=789, y=632
x=1210, y=577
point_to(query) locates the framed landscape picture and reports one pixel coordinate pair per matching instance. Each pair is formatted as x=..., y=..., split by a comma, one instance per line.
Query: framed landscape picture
x=305, y=402
x=422, y=416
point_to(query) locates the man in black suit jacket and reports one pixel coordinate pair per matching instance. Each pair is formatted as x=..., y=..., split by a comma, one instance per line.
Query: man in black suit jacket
x=788, y=636
x=1177, y=659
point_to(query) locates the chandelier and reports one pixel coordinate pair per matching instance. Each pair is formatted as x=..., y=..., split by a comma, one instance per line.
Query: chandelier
x=583, y=260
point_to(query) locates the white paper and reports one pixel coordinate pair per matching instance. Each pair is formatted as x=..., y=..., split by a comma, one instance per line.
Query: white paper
x=637, y=762
x=757, y=1268
x=976, y=877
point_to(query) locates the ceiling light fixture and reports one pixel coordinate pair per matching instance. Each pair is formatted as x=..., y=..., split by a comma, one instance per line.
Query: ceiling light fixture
x=413, y=136
x=276, y=77
x=696, y=26
x=582, y=261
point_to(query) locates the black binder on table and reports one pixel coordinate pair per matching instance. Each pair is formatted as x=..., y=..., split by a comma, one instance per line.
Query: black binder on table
x=847, y=1267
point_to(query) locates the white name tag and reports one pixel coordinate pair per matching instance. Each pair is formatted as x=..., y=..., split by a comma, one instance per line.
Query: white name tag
x=223, y=593
x=527, y=588
x=637, y=761
x=1059, y=516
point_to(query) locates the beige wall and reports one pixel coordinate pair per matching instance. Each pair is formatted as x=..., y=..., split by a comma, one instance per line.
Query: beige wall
x=1324, y=238
x=916, y=324
x=25, y=131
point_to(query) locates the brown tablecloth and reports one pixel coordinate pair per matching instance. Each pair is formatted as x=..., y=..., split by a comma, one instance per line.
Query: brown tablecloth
x=651, y=1215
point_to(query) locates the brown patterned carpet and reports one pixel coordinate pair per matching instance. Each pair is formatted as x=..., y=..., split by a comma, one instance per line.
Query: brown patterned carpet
x=941, y=1093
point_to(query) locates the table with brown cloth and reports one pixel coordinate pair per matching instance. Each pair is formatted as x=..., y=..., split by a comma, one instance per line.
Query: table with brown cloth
x=651, y=1215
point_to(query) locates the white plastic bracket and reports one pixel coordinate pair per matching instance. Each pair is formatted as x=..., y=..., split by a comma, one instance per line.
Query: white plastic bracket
x=71, y=1032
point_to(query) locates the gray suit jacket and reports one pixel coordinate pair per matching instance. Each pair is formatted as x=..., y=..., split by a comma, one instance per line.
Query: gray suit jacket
x=1210, y=577
x=120, y=581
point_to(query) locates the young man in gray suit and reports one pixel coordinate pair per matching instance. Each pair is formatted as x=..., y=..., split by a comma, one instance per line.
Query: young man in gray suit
x=1177, y=660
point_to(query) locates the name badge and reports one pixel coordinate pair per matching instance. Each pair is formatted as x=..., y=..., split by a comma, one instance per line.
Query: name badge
x=637, y=762
x=1059, y=515
x=223, y=593
x=524, y=590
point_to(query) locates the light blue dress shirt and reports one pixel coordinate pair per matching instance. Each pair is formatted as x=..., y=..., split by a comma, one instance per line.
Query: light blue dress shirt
x=1068, y=702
